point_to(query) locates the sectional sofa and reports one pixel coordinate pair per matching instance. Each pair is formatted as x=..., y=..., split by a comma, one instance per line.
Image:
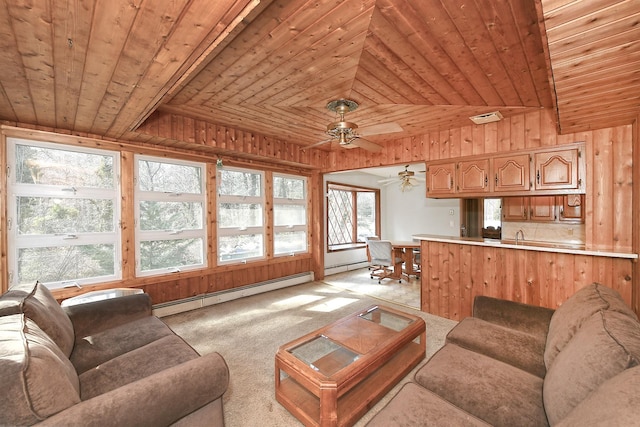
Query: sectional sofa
x=103, y=363
x=512, y=364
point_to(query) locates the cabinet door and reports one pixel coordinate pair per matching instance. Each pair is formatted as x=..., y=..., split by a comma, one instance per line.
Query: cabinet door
x=511, y=173
x=473, y=176
x=440, y=179
x=542, y=208
x=557, y=170
x=515, y=208
x=571, y=207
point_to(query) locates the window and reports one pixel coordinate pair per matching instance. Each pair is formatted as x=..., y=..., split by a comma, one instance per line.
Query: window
x=241, y=228
x=352, y=215
x=492, y=213
x=170, y=215
x=64, y=213
x=289, y=214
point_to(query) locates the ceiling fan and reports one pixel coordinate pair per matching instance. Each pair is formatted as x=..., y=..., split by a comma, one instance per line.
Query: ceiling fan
x=344, y=132
x=407, y=178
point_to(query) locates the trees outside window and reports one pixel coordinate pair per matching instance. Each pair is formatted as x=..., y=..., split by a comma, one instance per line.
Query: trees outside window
x=63, y=214
x=352, y=215
x=289, y=214
x=241, y=230
x=170, y=215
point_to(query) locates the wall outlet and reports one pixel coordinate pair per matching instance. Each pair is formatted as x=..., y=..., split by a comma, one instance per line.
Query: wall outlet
x=451, y=212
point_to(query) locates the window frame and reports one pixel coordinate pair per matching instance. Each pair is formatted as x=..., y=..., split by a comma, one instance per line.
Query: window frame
x=17, y=242
x=354, y=190
x=241, y=230
x=304, y=202
x=168, y=235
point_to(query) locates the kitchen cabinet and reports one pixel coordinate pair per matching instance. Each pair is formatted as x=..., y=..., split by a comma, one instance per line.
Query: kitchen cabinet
x=440, y=179
x=565, y=208
x=515, y=208
x=557, y=170
x=538, y=208
x=540, y=172
x=473, y=176
x=511, y=173
x=571, y=208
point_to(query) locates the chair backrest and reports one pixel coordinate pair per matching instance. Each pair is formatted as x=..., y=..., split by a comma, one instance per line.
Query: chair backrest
x=381, y=252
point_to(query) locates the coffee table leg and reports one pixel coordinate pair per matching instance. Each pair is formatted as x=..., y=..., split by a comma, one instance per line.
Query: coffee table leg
x=328, y=405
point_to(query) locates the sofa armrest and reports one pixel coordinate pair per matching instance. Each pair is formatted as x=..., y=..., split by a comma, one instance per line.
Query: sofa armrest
x=159, y=399
x=515, y=315
x=96, y=316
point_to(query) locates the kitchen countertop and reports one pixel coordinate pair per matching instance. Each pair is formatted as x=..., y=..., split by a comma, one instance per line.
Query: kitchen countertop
x=524, y=245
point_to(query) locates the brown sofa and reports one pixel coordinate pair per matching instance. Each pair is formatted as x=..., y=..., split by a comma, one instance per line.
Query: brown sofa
x=512, y=364
x=103, y=363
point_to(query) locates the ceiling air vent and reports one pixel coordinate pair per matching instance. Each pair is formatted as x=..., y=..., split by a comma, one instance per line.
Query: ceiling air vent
x=486, y=118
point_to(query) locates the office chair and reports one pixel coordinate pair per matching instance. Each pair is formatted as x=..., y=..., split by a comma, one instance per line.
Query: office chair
x=382, y=256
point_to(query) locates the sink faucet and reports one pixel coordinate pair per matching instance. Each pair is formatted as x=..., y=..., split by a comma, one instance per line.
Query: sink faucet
x=519, y=233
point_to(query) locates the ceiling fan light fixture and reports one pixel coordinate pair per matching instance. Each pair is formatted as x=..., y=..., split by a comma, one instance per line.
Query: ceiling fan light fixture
x=486, y=118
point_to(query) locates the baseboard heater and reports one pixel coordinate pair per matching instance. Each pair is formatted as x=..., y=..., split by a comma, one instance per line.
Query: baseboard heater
x=204, y=300
x=335, y=269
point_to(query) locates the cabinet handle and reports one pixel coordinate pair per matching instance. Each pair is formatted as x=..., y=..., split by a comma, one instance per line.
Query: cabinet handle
x=486, y=180
x=538, y=177
x=561, y=212
x=496, y=179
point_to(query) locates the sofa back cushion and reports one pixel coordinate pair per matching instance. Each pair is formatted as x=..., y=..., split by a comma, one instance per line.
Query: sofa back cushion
x=614, y=403
x=37, y=379
x=39, y=305
x=568, y=318
x=606, y=344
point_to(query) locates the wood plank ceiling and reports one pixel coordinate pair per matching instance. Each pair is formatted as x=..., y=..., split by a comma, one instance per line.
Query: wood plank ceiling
x=271, y=66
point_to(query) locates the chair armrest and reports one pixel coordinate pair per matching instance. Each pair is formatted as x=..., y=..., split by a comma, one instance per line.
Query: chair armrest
x=92, y=317
x=515, y=315
x=160, y=399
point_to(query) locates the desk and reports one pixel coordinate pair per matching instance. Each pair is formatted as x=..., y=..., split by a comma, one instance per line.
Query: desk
x=404, y=250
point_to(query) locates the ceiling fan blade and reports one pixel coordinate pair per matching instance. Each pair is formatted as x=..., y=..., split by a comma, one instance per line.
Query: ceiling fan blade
x=317, y=143
x=380, y=129
x=365, y=144
x=387, y=180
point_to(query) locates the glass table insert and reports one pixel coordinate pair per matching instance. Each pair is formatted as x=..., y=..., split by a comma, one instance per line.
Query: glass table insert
x=324, y=355
x=386, y=318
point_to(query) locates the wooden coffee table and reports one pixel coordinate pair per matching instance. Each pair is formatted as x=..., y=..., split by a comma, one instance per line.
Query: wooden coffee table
x=335, y=374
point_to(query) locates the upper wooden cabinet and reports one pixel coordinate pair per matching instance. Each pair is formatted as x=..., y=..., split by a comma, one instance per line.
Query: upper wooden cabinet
x=544, y=171
x=511, y=173
x=441, y=179
x=473, y=176
x=557, y=170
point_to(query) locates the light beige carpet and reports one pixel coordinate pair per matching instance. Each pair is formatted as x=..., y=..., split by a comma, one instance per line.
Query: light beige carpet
x=248, y=332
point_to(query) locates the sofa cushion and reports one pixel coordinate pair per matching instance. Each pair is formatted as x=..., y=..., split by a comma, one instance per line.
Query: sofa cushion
x=574, y=311
x=517, y=348
x=37, y=302
x=615, y=403
x=606, y=344
x=93, y=350
x=496, y=392
x=33, y=371
x=417, y=406
x=137, y=364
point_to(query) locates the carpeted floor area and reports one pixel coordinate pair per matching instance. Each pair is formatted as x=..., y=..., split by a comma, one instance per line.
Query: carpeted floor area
x=248, y=332
x=405, y=293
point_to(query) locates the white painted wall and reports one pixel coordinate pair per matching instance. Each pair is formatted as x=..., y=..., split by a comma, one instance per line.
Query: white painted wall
x=402, y=214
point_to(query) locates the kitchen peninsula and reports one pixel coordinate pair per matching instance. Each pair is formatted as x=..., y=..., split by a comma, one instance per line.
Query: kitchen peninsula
x=455, y=270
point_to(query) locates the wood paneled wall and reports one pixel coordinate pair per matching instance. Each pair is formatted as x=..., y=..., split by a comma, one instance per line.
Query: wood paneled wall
x=453, y=274
x=609, y=164
x=184, y=132
x=612, y=203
